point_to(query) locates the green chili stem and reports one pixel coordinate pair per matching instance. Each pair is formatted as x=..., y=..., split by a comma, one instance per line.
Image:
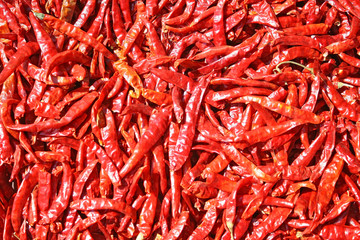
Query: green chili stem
x=277, y=69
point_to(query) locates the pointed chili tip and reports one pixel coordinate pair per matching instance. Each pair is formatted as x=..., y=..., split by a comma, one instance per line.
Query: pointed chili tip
x=39, y=15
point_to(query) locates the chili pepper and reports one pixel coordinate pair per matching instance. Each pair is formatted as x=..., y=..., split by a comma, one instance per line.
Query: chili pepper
x=326, y=187
x=238, y=92
x=343, y=107
x=347, y=156
x=242, y=161
x=234, y=56
x=135, y=29
x=218, y=25
x=286, y=110
x=63, y=57
x=18, y=58
x=175, y=232
x=33, y=208
x=206, y=225
x=175, y=176
x=103, y=204
x=46, y=45
x=157, y=125
x=44, y=179
x=60, y=203
x=22, y=194
x=230, y=211
x=94, y=29
x=338, y=232
x=158, y=98
x=105, y=161
x=187, y=131
x=190, y=6
x=130, y=76
x=76, y=110
x=75, y=33
x=147, y=215
x=306, y=156
x=125, y=9
x=10, y=18
x=273, y=221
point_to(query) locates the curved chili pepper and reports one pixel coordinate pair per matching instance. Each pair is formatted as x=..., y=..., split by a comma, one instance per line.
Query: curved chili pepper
x=206, y=225
x=103, y=204
x=74, y=111
x=27, y=50
x=22, y=194
x=273, y=221
x=10, y=18
x=179, y=225
x=63, y=57
x=75, y=33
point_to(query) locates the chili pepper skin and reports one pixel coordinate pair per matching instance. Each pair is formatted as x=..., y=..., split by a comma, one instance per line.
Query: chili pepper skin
x=75, y=33
x=44, y=189
x=147, y=215
x=158, y=122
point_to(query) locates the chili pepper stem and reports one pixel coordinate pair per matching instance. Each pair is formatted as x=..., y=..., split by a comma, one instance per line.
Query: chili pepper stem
x=230, y=226
x=39, y=15
x=278, y=70
x=140, y=236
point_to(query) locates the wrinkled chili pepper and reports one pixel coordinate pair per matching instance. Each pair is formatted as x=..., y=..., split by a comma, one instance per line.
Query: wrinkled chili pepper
x=89, y=148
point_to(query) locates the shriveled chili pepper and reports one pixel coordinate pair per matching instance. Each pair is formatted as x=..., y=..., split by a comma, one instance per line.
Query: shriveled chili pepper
x=103, y=204
x=23, y=193
x=63, y=57
x=326, y=187
x=18, y=58
x=206, y=225
x=282, y=108
x=75, y=33
x=157, y=125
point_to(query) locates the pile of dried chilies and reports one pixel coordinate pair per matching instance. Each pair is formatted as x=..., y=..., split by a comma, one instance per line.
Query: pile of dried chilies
x=179, y=119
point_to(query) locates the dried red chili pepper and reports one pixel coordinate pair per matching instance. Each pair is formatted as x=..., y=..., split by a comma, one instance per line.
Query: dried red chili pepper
x=75, y=33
